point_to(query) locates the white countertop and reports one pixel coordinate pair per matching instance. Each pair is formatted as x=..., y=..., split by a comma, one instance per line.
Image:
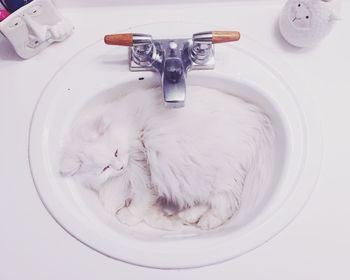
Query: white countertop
x=315, y=246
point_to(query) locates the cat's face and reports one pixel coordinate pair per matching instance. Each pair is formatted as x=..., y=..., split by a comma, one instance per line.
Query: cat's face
x=97, y=152
x=300, y=14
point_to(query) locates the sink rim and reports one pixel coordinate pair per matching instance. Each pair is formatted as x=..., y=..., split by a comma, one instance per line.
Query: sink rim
x=300, y=197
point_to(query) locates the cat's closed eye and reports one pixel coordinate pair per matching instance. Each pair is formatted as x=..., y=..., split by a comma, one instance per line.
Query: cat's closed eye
x=116, y=153
x=105, y=168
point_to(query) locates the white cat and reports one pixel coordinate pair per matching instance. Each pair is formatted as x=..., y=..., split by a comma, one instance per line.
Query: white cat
x=141, y=155
x=304, y=23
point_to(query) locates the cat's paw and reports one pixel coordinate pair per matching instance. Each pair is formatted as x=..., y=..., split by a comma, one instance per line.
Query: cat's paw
x=111, y=201
x=209, y=221
x=109, y=204
x=193, y=214
x=158, y=220
x=165, y=223
x=126, y=217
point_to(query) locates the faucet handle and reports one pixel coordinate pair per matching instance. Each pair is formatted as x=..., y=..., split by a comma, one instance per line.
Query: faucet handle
x=225, y=36
x=202, y=48
x=128, y=39
x=119, y=39
x=142, y=50
x=216, y=37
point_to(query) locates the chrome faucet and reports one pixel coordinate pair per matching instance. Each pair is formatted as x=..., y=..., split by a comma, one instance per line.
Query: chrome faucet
x=172, y=58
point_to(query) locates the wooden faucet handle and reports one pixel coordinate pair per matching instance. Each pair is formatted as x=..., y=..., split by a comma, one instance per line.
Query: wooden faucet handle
x=119, y=39
x=225, y=36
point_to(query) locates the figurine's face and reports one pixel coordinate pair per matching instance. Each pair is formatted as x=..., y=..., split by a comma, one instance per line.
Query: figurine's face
x=29, y=27
x=300, y=14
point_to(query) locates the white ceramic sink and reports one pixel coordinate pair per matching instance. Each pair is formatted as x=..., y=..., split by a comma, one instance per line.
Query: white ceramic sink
x=245, y=69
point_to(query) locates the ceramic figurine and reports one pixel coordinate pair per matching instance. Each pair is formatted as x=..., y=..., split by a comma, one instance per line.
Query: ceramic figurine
x=35, y=26
x=304, y=23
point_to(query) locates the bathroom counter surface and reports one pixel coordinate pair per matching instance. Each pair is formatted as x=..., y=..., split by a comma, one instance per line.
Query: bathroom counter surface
x=315, y=245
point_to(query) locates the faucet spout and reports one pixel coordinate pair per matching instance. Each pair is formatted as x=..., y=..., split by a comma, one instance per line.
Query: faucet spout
x=173, y=83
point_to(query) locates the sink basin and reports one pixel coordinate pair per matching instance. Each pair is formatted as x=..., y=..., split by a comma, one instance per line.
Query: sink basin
x=99, y=74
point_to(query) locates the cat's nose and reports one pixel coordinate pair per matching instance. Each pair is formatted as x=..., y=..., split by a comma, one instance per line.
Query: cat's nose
x=118, y=166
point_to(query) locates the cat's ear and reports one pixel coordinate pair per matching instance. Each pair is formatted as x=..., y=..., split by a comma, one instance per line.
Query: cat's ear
x=93, y=129
x=70, y=164
x=102, y=124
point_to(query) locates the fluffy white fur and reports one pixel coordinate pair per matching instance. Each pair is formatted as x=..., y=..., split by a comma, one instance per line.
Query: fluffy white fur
x=303, y=23
x=168, y=167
